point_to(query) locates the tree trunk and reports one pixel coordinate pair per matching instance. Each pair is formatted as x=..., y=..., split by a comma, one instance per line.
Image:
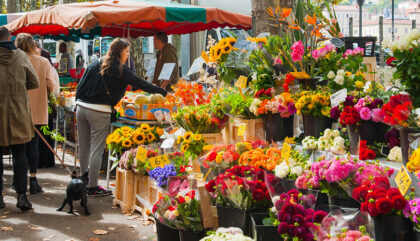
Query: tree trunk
x=11, y=6
x=136, y=52
x=261, y=16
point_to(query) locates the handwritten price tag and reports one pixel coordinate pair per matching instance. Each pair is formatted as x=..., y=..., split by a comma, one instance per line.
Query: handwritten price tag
x=285, y=151
x=158, y=115
x=241, y=82
x=168, y=117
x=338, y=97
x=403, y=180
x=159, y=161
x=241, y=130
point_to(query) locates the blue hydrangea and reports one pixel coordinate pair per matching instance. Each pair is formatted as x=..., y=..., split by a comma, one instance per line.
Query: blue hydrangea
x=161, y=175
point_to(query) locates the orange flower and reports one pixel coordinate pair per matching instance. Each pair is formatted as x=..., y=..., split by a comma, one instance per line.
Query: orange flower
x=316, y=32
x=270, y=11
x=294, y=25
x=310, y=20
x=285, y=12
x=262, y=110
x=205, y=56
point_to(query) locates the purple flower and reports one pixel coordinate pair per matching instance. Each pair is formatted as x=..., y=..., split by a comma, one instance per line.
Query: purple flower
x=349, y=101
x=291, y=108
x=376, y=103
x=161, y=175
x=335, y=112
x=283, y=227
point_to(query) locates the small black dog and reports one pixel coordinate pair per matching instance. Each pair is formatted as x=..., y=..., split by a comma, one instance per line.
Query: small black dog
x=76, y=190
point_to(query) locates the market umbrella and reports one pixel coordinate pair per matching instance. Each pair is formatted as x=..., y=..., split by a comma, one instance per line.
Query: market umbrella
x=131, y=18
x=8, y=18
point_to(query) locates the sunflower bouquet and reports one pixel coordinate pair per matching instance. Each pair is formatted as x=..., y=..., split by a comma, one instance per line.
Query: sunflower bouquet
x=192, y=145
x=219, y=54
x=145, y=135
x=314, y=103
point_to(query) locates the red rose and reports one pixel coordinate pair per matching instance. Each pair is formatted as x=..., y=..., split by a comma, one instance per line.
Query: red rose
x=399, y=202
x=364, y=207
x=370, y=155
x=392, y=192
x=211, y=156
x=258, y=195
x=382, y=182
x=181, y=200
x=289, y=79
x=172, y=208
x=155, y=208
x=286, y=88
x=235, y=156
x=210, y=186
x=360, y=193
x=390, y=60
x=373, y=211
x=384, y=205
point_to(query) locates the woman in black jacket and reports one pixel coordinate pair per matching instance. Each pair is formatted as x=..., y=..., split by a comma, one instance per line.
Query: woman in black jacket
x=101, y=87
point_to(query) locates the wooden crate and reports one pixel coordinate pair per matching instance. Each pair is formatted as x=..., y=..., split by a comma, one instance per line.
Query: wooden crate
x=209, y=220
x=370, y=63
x=141, y=191
x=124, y=190
x=213, y=138
x=254, y=130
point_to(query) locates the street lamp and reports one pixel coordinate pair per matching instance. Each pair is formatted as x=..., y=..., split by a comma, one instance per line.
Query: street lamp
x=360, y=2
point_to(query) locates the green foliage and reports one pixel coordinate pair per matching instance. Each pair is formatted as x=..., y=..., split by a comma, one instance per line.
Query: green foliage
x=237, y=104
x=409, y=72
x=55, y=135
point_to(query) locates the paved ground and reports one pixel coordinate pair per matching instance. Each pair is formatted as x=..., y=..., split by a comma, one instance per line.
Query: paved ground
x=45, y=223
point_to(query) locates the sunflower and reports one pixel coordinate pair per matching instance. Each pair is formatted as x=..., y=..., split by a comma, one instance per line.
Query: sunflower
x=126, y=129
x=127, y=133
x=217, y=52
x=109, y=139
x=179, y=140
x=188, y=136
x=117, y=139
x=227, y=49
x=127, y=143
x=184, y=147
x=139, y=138
x=145, y=127
x=197, y=137
x=150, y=137
x=159, y=131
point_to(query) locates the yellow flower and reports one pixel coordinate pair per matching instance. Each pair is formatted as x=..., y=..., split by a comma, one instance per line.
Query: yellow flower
x=126, y=129
x=359, y=84
x=185, y=147
x=127, y=134
x=207, y=148
x=197, y=137
x=188, y=136
x=286, y=96
x=117, y=139
x=326, y=111
x=145, y=127
x=139, y=138
x=109, y=139
x=219, y=157
x=179, y=140
x=348, y=74
x=289, y=140
x=159, y=131
x=127, y=143
x=150, y=137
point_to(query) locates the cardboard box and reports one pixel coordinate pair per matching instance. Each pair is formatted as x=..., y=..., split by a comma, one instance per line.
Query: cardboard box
x=148, y=110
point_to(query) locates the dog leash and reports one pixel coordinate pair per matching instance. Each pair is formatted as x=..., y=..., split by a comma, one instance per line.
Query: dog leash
x=55, y=153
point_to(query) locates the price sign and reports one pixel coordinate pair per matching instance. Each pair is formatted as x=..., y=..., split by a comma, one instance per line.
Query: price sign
x=141, y=154
x=158, y=115
x=168, y=143
x=159, y=161
x=241, y=130
x=338, y=97
x=285, y=151
x=403, y=180
x=241, y=82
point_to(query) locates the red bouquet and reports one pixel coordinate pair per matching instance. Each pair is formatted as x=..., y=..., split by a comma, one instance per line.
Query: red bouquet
x=398, y=110
x=377, y=197
x=364, y=152
x=265, y=94
x=289, y=79
x=241, y=187
x=349, y=116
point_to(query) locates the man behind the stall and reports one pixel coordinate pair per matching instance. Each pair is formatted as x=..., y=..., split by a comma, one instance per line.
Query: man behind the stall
x=166, y=54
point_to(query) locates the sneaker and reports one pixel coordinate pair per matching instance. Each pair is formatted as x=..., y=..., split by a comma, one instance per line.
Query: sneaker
x=98, y=191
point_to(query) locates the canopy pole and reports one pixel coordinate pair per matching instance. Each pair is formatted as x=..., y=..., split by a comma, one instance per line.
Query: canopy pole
x=128, y=35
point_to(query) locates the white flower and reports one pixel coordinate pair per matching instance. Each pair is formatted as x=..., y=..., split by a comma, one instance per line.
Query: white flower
x=309, y=143
x=273, y=209
x=336, y=133
x=385, y=43
x=188, y=169
x=254, y=76
x=341, y=72
x=331, y=75
x=275, y=198
x=338, y=145
x=403, y=44
x=282, y=170
x=393, y=46
x=296, y=170
x=254, y=106
x=395, y=154
x=339, y=79
x=414, y=35
x=327, y=133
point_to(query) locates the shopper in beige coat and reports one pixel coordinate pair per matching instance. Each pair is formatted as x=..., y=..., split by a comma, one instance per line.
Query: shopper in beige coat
x=16, y=127
x=38, y=98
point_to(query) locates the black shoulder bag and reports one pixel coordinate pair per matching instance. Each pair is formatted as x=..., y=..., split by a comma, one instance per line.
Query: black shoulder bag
x=108, y=93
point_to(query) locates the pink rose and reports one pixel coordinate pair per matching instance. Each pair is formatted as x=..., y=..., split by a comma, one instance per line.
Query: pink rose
x=364, y=238
x=227, y=156
x=348, y=239
x=365, y=113
x=316, y=54
x=354, y=234
x=360, y=104
x=377, y=115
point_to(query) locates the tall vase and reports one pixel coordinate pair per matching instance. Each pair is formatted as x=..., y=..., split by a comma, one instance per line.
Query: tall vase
x=277, y=128
x=354, y=139
x=393, y=228
x=166, y=233
x=185, y=235
x=314, y=126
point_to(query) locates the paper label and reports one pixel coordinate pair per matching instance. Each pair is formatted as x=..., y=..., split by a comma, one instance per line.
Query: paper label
x=168, y=143
x=166, y=72
x=158, y=115
x=168, y=117
x=403, y=180
x=285, y=151
x=338, y=97
x=196, y=66
x=159, y=161
x=241, y=82
x=150, y=67
x=241, y=130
